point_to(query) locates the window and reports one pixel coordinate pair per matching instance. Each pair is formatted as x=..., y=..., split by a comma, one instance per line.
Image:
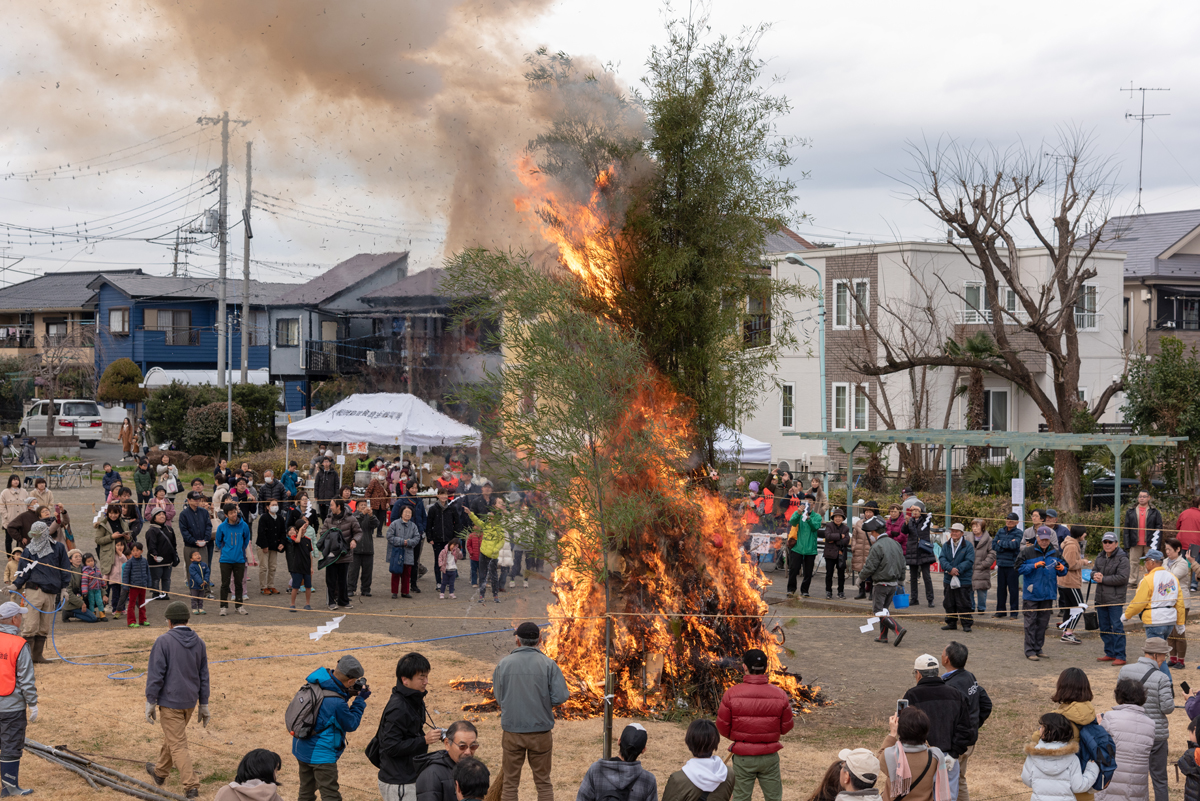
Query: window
x=1085, y=309
x=757, y=327
x=976, y=310
x=1082, y=394
x=287, y=332
x=56, y=332
x=995, y=416
x=851, y=302
x=1010, y=300
x=176, y=325
x=841, y=407
x=1125, y=314
x=118, y=321
x=1189, y=318
x=860, y=408
x=787, y=406
x=259, y=328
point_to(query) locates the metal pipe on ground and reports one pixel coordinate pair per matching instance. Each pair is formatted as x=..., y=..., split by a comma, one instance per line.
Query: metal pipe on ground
x=101, y=773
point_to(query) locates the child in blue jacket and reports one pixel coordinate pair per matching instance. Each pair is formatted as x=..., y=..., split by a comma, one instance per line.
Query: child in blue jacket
x=1039, y=567
x=198, y=581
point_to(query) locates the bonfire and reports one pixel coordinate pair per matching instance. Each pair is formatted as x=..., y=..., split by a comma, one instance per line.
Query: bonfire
x=684, y=599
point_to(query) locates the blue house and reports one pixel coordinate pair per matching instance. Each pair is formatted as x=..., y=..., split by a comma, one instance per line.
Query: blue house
x=171, y=322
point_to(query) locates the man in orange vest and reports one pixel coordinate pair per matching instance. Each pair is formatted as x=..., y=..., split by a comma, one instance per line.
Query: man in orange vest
x=17, y=692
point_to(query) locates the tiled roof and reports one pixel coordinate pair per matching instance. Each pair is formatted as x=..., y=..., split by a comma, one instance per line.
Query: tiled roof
x=423, y=284
x=1145, y=237
x=53, y=291
x=168, y=288
x=340, y=277
x=786, y=240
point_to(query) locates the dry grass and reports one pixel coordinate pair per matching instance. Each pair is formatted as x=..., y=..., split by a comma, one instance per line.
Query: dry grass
x=82, y=708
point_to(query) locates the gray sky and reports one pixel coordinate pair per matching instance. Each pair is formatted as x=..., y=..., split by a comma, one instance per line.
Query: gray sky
x=864, y=79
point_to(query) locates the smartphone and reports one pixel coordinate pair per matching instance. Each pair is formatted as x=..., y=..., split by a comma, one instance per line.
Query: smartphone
x=1183, y=685
x=903, y=704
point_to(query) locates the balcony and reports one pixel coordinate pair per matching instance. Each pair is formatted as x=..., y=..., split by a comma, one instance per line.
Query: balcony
x=1088, y=320
x=172, y=336
x=330, y=357
x=984, y=317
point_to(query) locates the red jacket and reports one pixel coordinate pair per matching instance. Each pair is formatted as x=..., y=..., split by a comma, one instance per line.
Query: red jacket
x=473, y=542
x=1189, y=527
x=754, y=714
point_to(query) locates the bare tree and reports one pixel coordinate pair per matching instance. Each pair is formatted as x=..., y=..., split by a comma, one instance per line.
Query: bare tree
x=65, y=363
x=992, y=202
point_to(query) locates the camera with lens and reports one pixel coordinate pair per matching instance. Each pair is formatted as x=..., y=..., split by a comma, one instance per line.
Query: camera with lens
x=359, y=686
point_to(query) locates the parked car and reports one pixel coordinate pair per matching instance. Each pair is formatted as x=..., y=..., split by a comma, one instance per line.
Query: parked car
x=1102, y=490
x=78, y=417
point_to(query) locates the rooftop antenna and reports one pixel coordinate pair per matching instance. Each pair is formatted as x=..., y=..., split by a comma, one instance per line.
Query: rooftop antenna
x=1141, y=118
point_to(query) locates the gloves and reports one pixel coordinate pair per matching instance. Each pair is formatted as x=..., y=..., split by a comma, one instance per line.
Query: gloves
x=33, y=713
x=150, y=712
x=949, y=762
x=1039, y=564
x=365, y=693
x=205, y=715
x=1180, y=629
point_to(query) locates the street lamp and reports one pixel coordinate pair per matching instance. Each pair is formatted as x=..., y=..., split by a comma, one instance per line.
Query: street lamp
x=796, y=258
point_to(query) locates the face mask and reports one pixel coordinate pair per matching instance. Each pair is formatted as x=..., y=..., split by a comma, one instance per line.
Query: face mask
x=274, y=510
x=269, y=479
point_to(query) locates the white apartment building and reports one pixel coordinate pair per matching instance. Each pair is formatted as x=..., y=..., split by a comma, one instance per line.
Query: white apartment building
x=894, y=283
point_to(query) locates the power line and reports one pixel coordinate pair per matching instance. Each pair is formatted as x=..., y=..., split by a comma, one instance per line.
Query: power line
x=110, y=161
x=430, y=226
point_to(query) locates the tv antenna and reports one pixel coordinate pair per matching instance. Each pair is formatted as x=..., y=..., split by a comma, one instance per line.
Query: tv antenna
x=1141, y=118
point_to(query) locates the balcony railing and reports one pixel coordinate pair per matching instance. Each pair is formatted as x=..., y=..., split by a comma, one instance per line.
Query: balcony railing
x=984, y=317
x=1087, y=321
x=756, y=330
x=176, y=336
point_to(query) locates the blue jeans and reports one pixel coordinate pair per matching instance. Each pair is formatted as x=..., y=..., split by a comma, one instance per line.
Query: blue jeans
x=474, y=572
x=981, y=600
x=1161, y=631
x=1112, y=631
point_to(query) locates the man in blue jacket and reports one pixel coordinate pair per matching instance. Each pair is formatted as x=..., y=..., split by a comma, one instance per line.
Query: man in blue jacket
x=233, y=537
x=318, y=755
x=1007, y=544
x=1039, y=567
x=195, y=526
x=957, y=562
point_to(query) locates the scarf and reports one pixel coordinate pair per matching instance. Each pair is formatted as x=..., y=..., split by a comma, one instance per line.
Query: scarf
x=41, y=544
x=900, y=782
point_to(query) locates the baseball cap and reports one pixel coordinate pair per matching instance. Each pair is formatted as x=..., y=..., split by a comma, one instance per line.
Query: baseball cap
x=633, y=738
x=907, y=491
x=861, y=763
x=1109, y=536
x=350, y=667
x=1044, y=533
x=1154, y=555
x=1051, y=513
x=528, y=631
x=926, y=662
x=10, y=609
x=755, y=658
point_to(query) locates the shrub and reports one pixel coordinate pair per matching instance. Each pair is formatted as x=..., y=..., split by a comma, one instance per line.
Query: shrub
x=178, y=458
x=260, y=402
x=206, y=423
x=120, y=381
x=166, y=411
x=200, y=464
x=168, y=407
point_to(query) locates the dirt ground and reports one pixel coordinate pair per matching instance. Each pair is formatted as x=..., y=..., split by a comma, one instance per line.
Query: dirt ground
x=83, y=708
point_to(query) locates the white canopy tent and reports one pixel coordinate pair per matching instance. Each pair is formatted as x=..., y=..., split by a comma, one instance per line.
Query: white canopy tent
x=384, y=418
x=729, y=442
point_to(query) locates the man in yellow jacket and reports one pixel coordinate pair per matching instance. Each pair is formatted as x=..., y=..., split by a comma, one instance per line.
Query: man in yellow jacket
x=1158, y=599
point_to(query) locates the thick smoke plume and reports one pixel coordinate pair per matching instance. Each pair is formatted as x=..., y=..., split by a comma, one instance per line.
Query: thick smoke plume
x=410, y=100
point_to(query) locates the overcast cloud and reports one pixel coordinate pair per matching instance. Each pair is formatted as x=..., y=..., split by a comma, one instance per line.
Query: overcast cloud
x=864, y=79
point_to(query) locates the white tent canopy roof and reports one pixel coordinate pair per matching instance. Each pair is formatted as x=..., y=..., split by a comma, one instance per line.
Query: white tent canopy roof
x=383, y=418
x=752, y=450
x=158, y=377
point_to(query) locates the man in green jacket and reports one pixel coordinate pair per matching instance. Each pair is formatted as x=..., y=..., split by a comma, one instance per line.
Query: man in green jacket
x=885, y=570
x=802, y=539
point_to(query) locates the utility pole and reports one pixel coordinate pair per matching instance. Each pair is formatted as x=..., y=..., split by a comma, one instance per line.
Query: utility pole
x=246, y=237
x=222, y=236
x=175, y=264
x=1141, y=118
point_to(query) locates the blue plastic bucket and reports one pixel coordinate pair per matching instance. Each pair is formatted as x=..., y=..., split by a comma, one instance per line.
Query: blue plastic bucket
x=900, y=601
x=1087, y=574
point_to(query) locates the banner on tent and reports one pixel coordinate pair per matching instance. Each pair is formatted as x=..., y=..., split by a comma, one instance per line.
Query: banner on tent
x=356, y=447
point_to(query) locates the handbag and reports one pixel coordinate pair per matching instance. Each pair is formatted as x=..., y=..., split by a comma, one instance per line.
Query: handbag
x=1091, y=618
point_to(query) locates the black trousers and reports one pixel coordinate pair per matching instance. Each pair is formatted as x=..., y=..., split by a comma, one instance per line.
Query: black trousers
x=437, y=570
x=796, y=563
x=914, y=573
x=238, y=572
x=336, y=584
x=381, y=516
x=881, y=599
x=1037, y=618
x=12, y=735
x=360, y=565
x=1007, y=587
x=841, y=574
x=957, y=603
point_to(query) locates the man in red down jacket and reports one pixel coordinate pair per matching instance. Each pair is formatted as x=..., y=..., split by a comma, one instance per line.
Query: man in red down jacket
x=755, y=714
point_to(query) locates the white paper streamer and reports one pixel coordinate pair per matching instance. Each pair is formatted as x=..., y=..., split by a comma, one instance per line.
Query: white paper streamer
x=326, y=628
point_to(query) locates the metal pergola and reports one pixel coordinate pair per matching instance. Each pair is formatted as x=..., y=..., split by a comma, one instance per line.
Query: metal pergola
x=1020, y=445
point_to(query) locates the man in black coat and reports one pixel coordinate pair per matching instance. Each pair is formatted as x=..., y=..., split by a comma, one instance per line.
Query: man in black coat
x=948, y=711
x=954, y=660
x=441, y=526
x=1143, y=532
x=327, y=485
x=401, y=739
x=363, y=559
x=435, y=781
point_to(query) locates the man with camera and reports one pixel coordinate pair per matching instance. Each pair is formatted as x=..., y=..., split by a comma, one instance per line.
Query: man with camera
x=400, y=735
x=318, y=754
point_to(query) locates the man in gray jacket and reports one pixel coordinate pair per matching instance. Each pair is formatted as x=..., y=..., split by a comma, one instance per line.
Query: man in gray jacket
x=1110, y=574
x=176, y=679
x=19, y=693
x=528, y=685
x=1160, y=702
x=884, y=568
